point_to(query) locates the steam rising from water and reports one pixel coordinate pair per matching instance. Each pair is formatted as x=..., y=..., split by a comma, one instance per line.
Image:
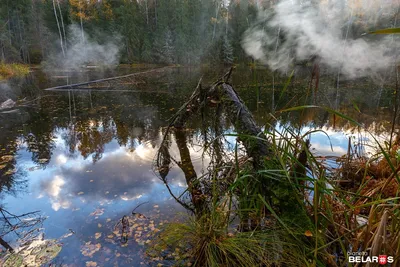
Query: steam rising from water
x=82, y=50
x=331, y=30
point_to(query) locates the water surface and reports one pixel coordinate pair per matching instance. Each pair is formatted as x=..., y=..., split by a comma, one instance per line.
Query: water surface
x=85, y=158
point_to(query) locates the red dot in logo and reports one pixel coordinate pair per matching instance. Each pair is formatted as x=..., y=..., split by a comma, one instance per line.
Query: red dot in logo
x=382, y=259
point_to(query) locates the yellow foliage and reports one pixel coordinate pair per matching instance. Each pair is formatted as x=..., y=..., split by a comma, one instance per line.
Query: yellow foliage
x=9, y=70
x=83, y=9
x=89, y=9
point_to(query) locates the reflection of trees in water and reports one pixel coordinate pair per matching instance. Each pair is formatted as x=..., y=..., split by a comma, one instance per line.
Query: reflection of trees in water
x=137, y=118
x=204, y=135
x=12, y=179
x=358, y=101
x=70, y=139
x=92, y=136
x=22, y=227
x=186, y=165
x=41, y=146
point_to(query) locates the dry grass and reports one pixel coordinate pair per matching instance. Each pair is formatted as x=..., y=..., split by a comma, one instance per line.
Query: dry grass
x=366, y=212
x=14, y=69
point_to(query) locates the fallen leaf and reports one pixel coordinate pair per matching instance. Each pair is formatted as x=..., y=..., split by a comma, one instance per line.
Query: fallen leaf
x=89, y=249
x=308, y=233
x=31, y=169
x=97, y=212
x=91, y=264
x=97, y=235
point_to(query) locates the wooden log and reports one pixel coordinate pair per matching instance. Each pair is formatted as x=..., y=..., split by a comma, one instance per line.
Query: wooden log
x=72, y=86
x=241, y=118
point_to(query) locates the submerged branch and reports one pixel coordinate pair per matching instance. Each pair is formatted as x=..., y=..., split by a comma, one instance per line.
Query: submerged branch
x=73, y=86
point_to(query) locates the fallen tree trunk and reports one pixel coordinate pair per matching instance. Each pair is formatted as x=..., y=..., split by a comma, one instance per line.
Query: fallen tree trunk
x=224, y=96
x=236, y=111
x=241, y=118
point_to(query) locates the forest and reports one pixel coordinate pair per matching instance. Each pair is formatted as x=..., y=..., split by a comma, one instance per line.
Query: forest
x=148, y=31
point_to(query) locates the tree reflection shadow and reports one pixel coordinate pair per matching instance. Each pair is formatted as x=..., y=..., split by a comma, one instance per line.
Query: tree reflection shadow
x=25, y=227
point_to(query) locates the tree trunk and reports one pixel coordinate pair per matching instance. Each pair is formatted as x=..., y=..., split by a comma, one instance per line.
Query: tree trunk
x=244, y=123
x=59, y=29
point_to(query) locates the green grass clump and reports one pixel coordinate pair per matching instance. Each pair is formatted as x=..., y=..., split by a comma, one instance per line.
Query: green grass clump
x=206, y=241
x=14, y=69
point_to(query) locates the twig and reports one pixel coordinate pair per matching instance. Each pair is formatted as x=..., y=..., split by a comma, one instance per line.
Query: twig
x=228, y=74
x=133, y=211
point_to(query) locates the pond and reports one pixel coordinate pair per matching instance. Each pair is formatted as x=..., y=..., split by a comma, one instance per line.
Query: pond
x=84, y=158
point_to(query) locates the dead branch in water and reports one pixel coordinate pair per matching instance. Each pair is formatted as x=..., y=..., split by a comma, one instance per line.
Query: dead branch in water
x=221, y=92
x=222, y=95
x=73, y=86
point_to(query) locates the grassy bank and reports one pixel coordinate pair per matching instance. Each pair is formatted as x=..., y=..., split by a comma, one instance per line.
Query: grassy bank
x=296, y=218
x=289, y=206
x=14, y=69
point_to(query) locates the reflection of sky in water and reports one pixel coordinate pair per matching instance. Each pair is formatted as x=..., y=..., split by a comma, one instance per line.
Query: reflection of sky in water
x=337, y=142
x=69, y=189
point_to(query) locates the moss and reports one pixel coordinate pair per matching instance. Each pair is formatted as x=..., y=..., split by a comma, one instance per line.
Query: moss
x=14, y=69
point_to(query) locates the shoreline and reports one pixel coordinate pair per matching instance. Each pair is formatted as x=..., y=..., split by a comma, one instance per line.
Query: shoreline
x=13, y=69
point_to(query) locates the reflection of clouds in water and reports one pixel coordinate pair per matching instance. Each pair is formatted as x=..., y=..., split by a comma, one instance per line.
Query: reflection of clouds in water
x=54, y=191
x=53, y=188
x=125, y=174
x=61, y=159
x=117, y=174
x=121, y=175
x=328, y=150
x=127, y=198
x=339, y=139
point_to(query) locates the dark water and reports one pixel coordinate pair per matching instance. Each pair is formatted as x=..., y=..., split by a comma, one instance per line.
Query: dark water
x=84, y=159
